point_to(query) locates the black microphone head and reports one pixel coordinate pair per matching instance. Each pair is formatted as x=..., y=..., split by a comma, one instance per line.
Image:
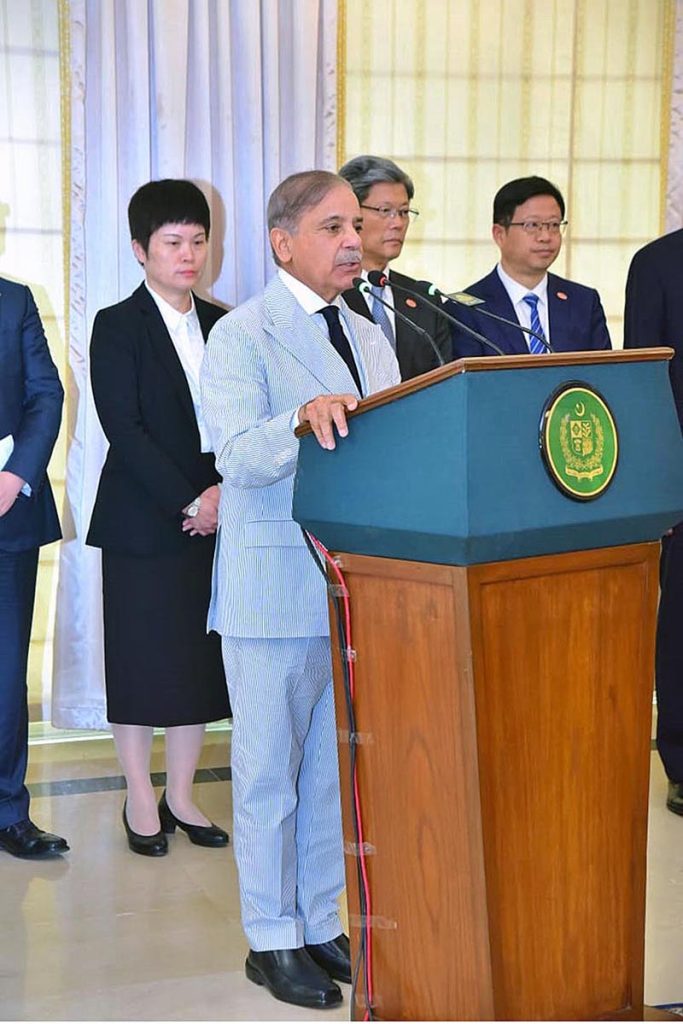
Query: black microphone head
x=361, y=284
x=378, y=278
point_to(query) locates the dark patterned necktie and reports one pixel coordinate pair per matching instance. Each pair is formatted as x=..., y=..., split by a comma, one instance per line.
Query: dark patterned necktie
x=341, y=342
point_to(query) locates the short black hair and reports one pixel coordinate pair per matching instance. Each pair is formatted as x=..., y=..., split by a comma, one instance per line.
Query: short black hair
x=516, y=192
x=168, y=201
x=365, y=171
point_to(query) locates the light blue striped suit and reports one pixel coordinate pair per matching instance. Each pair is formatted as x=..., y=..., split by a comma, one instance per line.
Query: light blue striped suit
x=263, y=361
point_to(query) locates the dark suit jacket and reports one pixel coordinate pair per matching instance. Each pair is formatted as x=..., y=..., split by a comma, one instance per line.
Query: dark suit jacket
x=577, y=322
x=654, y=304
x=414, y=353
x=31, y=399
x=154, y=466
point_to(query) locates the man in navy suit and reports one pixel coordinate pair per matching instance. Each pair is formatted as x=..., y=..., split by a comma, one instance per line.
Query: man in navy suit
x=654, y=316
x=30, y=412
x=528, y=221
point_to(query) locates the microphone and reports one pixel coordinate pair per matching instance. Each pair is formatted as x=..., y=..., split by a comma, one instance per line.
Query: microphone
x=465, y=299
x=381, y=280
x=363, y=286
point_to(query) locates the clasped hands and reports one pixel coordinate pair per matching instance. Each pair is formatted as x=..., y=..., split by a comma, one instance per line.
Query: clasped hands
x=206, y=521
x=324, y=413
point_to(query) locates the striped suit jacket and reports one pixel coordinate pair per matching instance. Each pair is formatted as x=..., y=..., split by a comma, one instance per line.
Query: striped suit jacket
x=264, y=360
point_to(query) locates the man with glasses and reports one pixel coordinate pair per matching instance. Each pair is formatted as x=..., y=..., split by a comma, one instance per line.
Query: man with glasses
x=384, y=193
x=528, y=223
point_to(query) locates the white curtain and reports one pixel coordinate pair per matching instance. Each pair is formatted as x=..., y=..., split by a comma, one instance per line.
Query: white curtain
x=235, y=94
x=674, y=193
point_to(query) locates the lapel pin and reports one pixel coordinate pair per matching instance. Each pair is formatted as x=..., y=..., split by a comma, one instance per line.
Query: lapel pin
x=562, y=295
x=412, y=303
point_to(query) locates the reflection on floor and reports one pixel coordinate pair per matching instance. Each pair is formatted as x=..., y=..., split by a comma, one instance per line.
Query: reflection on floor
x=108, y=935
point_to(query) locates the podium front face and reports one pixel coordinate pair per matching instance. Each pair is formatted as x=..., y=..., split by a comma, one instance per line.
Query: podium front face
x=504, y=666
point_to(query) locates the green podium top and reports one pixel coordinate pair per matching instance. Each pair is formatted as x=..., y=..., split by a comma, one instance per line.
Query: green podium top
x=449, y=467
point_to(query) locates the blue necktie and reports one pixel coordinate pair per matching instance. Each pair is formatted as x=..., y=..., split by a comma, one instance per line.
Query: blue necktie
x=535, y=346
x=341, y=342
x=380, y=317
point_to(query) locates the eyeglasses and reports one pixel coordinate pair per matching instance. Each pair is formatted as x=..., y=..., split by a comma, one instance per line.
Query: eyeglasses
x=534, y=227
x=387, y=212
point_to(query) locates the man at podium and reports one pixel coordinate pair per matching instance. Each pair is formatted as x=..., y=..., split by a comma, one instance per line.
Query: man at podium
x=528, y=223
x=294, y=354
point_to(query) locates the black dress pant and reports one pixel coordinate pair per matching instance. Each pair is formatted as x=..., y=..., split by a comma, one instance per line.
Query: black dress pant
x=669, y=658
x=17, y=595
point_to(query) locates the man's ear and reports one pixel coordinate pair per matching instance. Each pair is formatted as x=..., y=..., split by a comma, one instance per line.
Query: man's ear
x=138, y=252
x=498, y=233
x=280, y=241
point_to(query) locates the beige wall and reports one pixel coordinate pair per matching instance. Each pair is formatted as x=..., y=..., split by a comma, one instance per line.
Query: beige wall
x=467, y=94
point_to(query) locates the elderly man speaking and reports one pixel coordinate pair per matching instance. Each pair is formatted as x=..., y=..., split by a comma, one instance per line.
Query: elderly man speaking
x=294, y=354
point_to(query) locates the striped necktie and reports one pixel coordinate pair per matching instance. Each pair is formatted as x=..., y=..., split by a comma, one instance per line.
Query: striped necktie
x=379, y=315
x=535, y=346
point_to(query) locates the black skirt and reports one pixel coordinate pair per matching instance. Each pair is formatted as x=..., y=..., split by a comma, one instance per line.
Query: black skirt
x=161, y=667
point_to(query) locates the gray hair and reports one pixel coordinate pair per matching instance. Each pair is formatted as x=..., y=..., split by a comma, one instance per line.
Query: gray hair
x=365, y=171
x=297, y=194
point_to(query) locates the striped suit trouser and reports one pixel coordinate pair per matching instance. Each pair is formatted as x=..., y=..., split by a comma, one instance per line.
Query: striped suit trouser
x=285, y=784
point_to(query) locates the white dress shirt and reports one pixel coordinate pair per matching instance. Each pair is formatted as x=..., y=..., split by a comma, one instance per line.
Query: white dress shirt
x=517, y=291
x=312, y=303
x=188, y=341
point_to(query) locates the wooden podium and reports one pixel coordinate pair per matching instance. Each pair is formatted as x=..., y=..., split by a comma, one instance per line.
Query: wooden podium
x=505, y=638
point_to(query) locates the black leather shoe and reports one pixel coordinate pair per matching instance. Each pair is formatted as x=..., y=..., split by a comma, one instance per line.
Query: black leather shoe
x=674, y=797
x=293, y=977
x=200, y=835
x=334, y=957
x=149, y=846
x=24, y=839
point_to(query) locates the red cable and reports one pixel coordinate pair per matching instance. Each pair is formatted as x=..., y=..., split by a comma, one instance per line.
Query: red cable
x=356, y=792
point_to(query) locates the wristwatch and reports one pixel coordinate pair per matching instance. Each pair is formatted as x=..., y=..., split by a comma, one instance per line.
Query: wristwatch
x=193, y=508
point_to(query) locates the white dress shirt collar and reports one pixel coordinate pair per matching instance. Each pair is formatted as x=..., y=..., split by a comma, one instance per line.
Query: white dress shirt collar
x=170, y=315
x=517, y=291
x=309, y=300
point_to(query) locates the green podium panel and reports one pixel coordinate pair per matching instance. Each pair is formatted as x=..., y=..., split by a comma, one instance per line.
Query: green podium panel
x=448, y=468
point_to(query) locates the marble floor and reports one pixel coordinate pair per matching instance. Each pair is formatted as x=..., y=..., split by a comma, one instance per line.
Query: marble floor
x=106, y=935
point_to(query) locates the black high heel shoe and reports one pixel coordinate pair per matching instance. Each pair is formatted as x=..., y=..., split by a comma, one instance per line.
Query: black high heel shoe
x=148, y=846
x=200, y=835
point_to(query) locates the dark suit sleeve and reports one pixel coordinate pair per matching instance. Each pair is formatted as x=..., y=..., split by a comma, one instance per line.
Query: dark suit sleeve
x=115, y=390
x=644, y=309
x=42, y=401
x=599, y=334
x=443, y=339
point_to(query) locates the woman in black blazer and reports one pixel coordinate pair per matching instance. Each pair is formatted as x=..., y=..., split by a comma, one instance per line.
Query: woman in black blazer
x=155, y=516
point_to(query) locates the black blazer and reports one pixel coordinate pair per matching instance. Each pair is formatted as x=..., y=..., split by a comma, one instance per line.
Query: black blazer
x=414, y=353
x=654, y=304
x=31, y=399
x=154, y=466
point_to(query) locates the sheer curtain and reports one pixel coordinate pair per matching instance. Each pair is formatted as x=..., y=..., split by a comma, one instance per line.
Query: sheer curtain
x=234, y=95
x=467, y=94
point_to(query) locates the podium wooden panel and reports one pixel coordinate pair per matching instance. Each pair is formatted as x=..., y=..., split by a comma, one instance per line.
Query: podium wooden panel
x=504, y=763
